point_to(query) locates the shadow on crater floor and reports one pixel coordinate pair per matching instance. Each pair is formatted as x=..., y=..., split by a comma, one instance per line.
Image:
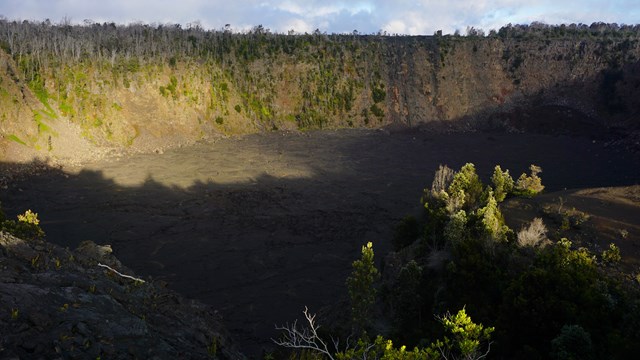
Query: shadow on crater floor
x=262, y=226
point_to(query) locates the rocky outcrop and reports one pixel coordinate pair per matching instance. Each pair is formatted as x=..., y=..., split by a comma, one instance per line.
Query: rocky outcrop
x=85, y=304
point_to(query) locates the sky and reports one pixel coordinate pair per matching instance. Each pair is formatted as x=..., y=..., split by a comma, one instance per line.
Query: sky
x=418, y=17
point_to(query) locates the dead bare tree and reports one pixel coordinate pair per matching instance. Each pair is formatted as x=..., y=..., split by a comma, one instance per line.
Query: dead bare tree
x=304, y=337
x=307, y=338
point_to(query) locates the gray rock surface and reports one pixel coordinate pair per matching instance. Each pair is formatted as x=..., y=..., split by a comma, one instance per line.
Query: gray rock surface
x=59, y=304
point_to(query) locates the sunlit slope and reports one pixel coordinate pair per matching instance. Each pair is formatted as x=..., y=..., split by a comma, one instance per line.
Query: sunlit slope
x=73, y=91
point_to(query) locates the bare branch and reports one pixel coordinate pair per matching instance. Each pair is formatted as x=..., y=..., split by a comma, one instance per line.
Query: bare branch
x=486, y=353
x=304, y=338
x=121, y=274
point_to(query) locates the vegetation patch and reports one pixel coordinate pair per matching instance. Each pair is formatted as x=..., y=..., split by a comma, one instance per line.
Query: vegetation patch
x=16, y=139
x=26, y=227
x=170, y=89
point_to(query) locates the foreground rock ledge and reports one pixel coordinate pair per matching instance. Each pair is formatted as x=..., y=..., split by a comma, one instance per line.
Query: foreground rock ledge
x=57, y=303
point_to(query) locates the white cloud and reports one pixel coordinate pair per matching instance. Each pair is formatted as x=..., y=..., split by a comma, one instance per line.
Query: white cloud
x=298, y=25
x=395, y=27
x=366, y=16
x=290, y=7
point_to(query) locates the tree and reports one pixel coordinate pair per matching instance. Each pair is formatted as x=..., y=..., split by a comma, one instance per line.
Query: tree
x=492, y=220
x=529, y=185
x=467, y=181
x=467, y=337
x=361, y=287
x=456, y=229
x=502, y=183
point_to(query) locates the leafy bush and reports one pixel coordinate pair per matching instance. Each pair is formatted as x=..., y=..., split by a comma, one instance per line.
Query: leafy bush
x=467, y=337
x=529, y=185
x=611, y=255
x=378, y=94
x=172, y=62
x=27, y=227
x=464, y=340
x=567, y=218
x=377, y=111
x=171, y=88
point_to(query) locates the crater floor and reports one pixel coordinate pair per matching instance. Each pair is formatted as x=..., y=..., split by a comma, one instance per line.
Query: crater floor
x=261, y=226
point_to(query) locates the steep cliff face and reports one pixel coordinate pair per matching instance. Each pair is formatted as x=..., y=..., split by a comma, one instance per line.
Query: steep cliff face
x=97, y=97
x=456, y=78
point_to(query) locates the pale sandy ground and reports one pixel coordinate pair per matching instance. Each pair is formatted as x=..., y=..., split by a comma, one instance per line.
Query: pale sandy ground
x=613, y=216
x=262, y=226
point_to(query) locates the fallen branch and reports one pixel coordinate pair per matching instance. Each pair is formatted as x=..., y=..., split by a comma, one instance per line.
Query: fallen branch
x=121, y=274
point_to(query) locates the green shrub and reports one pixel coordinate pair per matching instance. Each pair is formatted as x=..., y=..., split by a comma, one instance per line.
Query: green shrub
x=378, y=94
x=27, y=227
x=467, y=338
x=377, y=111
x=171, y=88
x=464, y=339
x=529, y=185
x=502, y=183
x=612, y=254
